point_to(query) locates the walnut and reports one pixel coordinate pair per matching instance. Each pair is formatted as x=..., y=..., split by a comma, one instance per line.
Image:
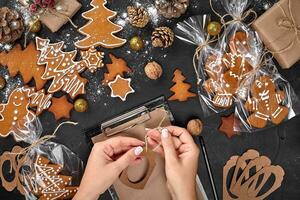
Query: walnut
x=153, y=70
x=195, y=127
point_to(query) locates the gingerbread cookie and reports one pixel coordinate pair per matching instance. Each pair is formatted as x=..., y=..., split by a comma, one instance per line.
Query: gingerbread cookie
x=61, y=68
x=100, y=30
x=180, y=88
x=47, y=183
x=214, y=69
x=224, y=77
x=93, y=59
x=117, y=67
x=61, y=108
x=15, y=112
x=239, y=43
x=120, y=87
x=25, y=63
x=265, y=103
x=38, y=99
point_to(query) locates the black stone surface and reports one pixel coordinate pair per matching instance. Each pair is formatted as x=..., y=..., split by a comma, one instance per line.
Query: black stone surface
x=280, y=144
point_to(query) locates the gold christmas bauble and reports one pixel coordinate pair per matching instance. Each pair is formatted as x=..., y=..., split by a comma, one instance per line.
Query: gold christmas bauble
x=81, y=105
x=214, y=28
x=195, y=127
x=136, y=43
x=35, y=26
x=2, y=82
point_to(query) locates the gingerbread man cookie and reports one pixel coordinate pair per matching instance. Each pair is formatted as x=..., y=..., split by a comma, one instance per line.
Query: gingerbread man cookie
x=14, y=112
x=266, y=103
x=239, y=43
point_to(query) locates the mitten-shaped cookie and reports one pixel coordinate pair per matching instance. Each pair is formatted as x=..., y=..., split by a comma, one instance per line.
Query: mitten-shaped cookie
x=266, y=103
x=238, y=69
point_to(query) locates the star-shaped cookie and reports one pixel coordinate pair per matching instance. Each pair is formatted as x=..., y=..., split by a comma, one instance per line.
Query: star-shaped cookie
x=227, y=126
x=61, y=107
x=121, y=87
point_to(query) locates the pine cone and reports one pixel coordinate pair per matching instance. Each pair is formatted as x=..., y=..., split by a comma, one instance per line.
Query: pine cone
x=138, y=16
x=162, y=37
x=11, y=25
x=171, y=8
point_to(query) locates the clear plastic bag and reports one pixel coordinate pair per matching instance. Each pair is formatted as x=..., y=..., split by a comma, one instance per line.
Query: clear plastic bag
x=193, y=31
x=269, y=99
x=49, y=170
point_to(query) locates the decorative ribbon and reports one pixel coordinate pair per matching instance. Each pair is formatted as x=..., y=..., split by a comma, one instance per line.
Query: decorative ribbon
x=289, y=24
x=42, y=140
x=58, y=12
x=159, y=128
x=197, y=53
x=234, y=19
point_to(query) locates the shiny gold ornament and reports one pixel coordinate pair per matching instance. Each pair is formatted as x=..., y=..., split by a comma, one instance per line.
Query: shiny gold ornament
x=136, y=43
x=2, y=82
x=214, y=28
x=35, y=26
x=81, y=105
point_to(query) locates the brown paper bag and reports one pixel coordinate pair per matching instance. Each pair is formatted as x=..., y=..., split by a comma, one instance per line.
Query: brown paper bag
x=279, y=28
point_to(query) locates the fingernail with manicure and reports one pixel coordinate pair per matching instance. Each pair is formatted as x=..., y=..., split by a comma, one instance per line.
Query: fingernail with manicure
x=138, y=151
x=165, y=133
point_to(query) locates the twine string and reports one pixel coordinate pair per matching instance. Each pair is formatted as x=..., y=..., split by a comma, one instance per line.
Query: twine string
x=290, y=24
x=234, y=19
x=263, y=61
x=159, y=128
x=42, y=140
x=197, y=54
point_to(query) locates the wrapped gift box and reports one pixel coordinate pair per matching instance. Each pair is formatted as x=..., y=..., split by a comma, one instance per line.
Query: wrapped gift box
x=279, y=28
x=54, y=19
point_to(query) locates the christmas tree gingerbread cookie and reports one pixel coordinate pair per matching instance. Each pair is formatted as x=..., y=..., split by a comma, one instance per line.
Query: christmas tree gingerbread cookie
x=180, y=89
x=61, y=68
x=47, y=183
x=15, y=112
x=100, y=30
x=266, y=103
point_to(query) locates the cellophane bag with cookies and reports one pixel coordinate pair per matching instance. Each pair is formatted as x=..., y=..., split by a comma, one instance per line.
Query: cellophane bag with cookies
x=49, y=170
x=223, y=73
x=206, y=59
x=268, y=98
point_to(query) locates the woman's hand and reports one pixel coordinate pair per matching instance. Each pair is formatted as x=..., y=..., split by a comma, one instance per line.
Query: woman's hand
x=106, y=161
x=181, y=155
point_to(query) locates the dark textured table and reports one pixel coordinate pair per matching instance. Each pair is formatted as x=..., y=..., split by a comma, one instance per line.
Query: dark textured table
x=280, y=144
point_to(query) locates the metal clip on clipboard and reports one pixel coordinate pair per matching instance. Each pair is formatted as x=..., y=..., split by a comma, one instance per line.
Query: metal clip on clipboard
x=126, y=121
x=129, y=119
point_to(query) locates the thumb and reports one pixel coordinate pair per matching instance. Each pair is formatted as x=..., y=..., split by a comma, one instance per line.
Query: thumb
x=125, y=160
x=168, y=145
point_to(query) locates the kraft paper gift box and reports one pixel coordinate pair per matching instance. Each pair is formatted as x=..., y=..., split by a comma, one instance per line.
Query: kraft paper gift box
x=54, y=19
x=279, y=28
